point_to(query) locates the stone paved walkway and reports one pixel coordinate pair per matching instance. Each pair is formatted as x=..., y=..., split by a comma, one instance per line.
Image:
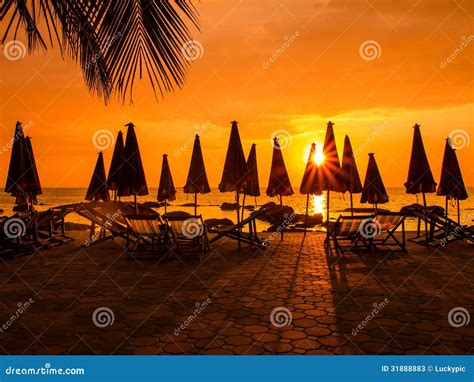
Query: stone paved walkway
x=289, y=299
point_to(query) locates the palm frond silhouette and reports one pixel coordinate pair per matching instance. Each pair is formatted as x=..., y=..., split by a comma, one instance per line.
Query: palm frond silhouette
x=113, y=41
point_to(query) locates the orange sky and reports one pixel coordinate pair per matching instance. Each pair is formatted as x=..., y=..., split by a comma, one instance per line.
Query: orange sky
x=319, y=76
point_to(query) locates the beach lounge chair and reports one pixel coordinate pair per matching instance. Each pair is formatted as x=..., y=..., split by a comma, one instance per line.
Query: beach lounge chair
x=18, y=234
x=389, y=223
x=146, y=233
x=51, y=227
x=370, y=232
x=107, y=217
x=251, y=237
x=347, y=233
x=442, y=230
x=187, y=234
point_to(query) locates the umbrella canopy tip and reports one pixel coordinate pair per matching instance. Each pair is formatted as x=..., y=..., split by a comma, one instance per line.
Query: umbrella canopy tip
x=330, y=124
x=416, y=125
x=130, y=124
x=234, y=122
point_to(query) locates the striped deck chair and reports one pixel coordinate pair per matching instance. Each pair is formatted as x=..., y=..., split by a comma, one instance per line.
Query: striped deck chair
x=251, y=237
x=388, y=224
x=51, y=227
x=147, y=233
x=442, y=231
x=188, y=234
x=349, y=233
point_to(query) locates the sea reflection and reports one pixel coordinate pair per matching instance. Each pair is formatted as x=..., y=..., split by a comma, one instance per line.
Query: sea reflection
x=318, y=205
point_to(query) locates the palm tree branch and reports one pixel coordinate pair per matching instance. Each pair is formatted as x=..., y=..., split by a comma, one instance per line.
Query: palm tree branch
x=113, y=41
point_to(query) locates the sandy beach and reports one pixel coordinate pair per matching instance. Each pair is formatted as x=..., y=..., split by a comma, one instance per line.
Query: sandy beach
x=356, y=304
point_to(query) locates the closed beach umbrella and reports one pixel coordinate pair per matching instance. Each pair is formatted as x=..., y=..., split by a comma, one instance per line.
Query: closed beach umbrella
x=21, y=181
x=329, y=177
x=116, y=165
x=373, y=191
x=98, y=186
x=252, y=187
x=279, y=182
x=132, y=176
x=196, y=182
x=349, y=174
x=309, y=183
x=166, y=190
x=34, y=188
x=420, y=179
x=451, y=183
x=235, y=169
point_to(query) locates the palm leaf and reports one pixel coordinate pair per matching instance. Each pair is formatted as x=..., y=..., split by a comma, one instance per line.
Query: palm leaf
x=113, y=41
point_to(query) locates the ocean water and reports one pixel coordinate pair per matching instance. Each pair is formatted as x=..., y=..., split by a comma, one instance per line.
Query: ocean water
x=209, y=204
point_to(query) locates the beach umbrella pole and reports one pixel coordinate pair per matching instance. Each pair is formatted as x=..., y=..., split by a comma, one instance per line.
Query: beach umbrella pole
x=426, y=223
x=238, y=218
x=446, y=207
x=281, y=216
x=459, y=215
x=306, y=217
x=327, y=221
x=243, y=207
x=352, y=204
x=136, y=203
x=195, y=203
x=165, y=205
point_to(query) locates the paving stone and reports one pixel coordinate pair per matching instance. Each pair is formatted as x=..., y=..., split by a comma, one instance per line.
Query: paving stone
x=238, y=340
x=327, y=300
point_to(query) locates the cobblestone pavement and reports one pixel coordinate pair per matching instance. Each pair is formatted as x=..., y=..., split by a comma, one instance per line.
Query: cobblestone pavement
x=290, y=299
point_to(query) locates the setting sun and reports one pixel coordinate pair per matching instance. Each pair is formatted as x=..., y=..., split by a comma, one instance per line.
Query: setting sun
x=318, y=155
